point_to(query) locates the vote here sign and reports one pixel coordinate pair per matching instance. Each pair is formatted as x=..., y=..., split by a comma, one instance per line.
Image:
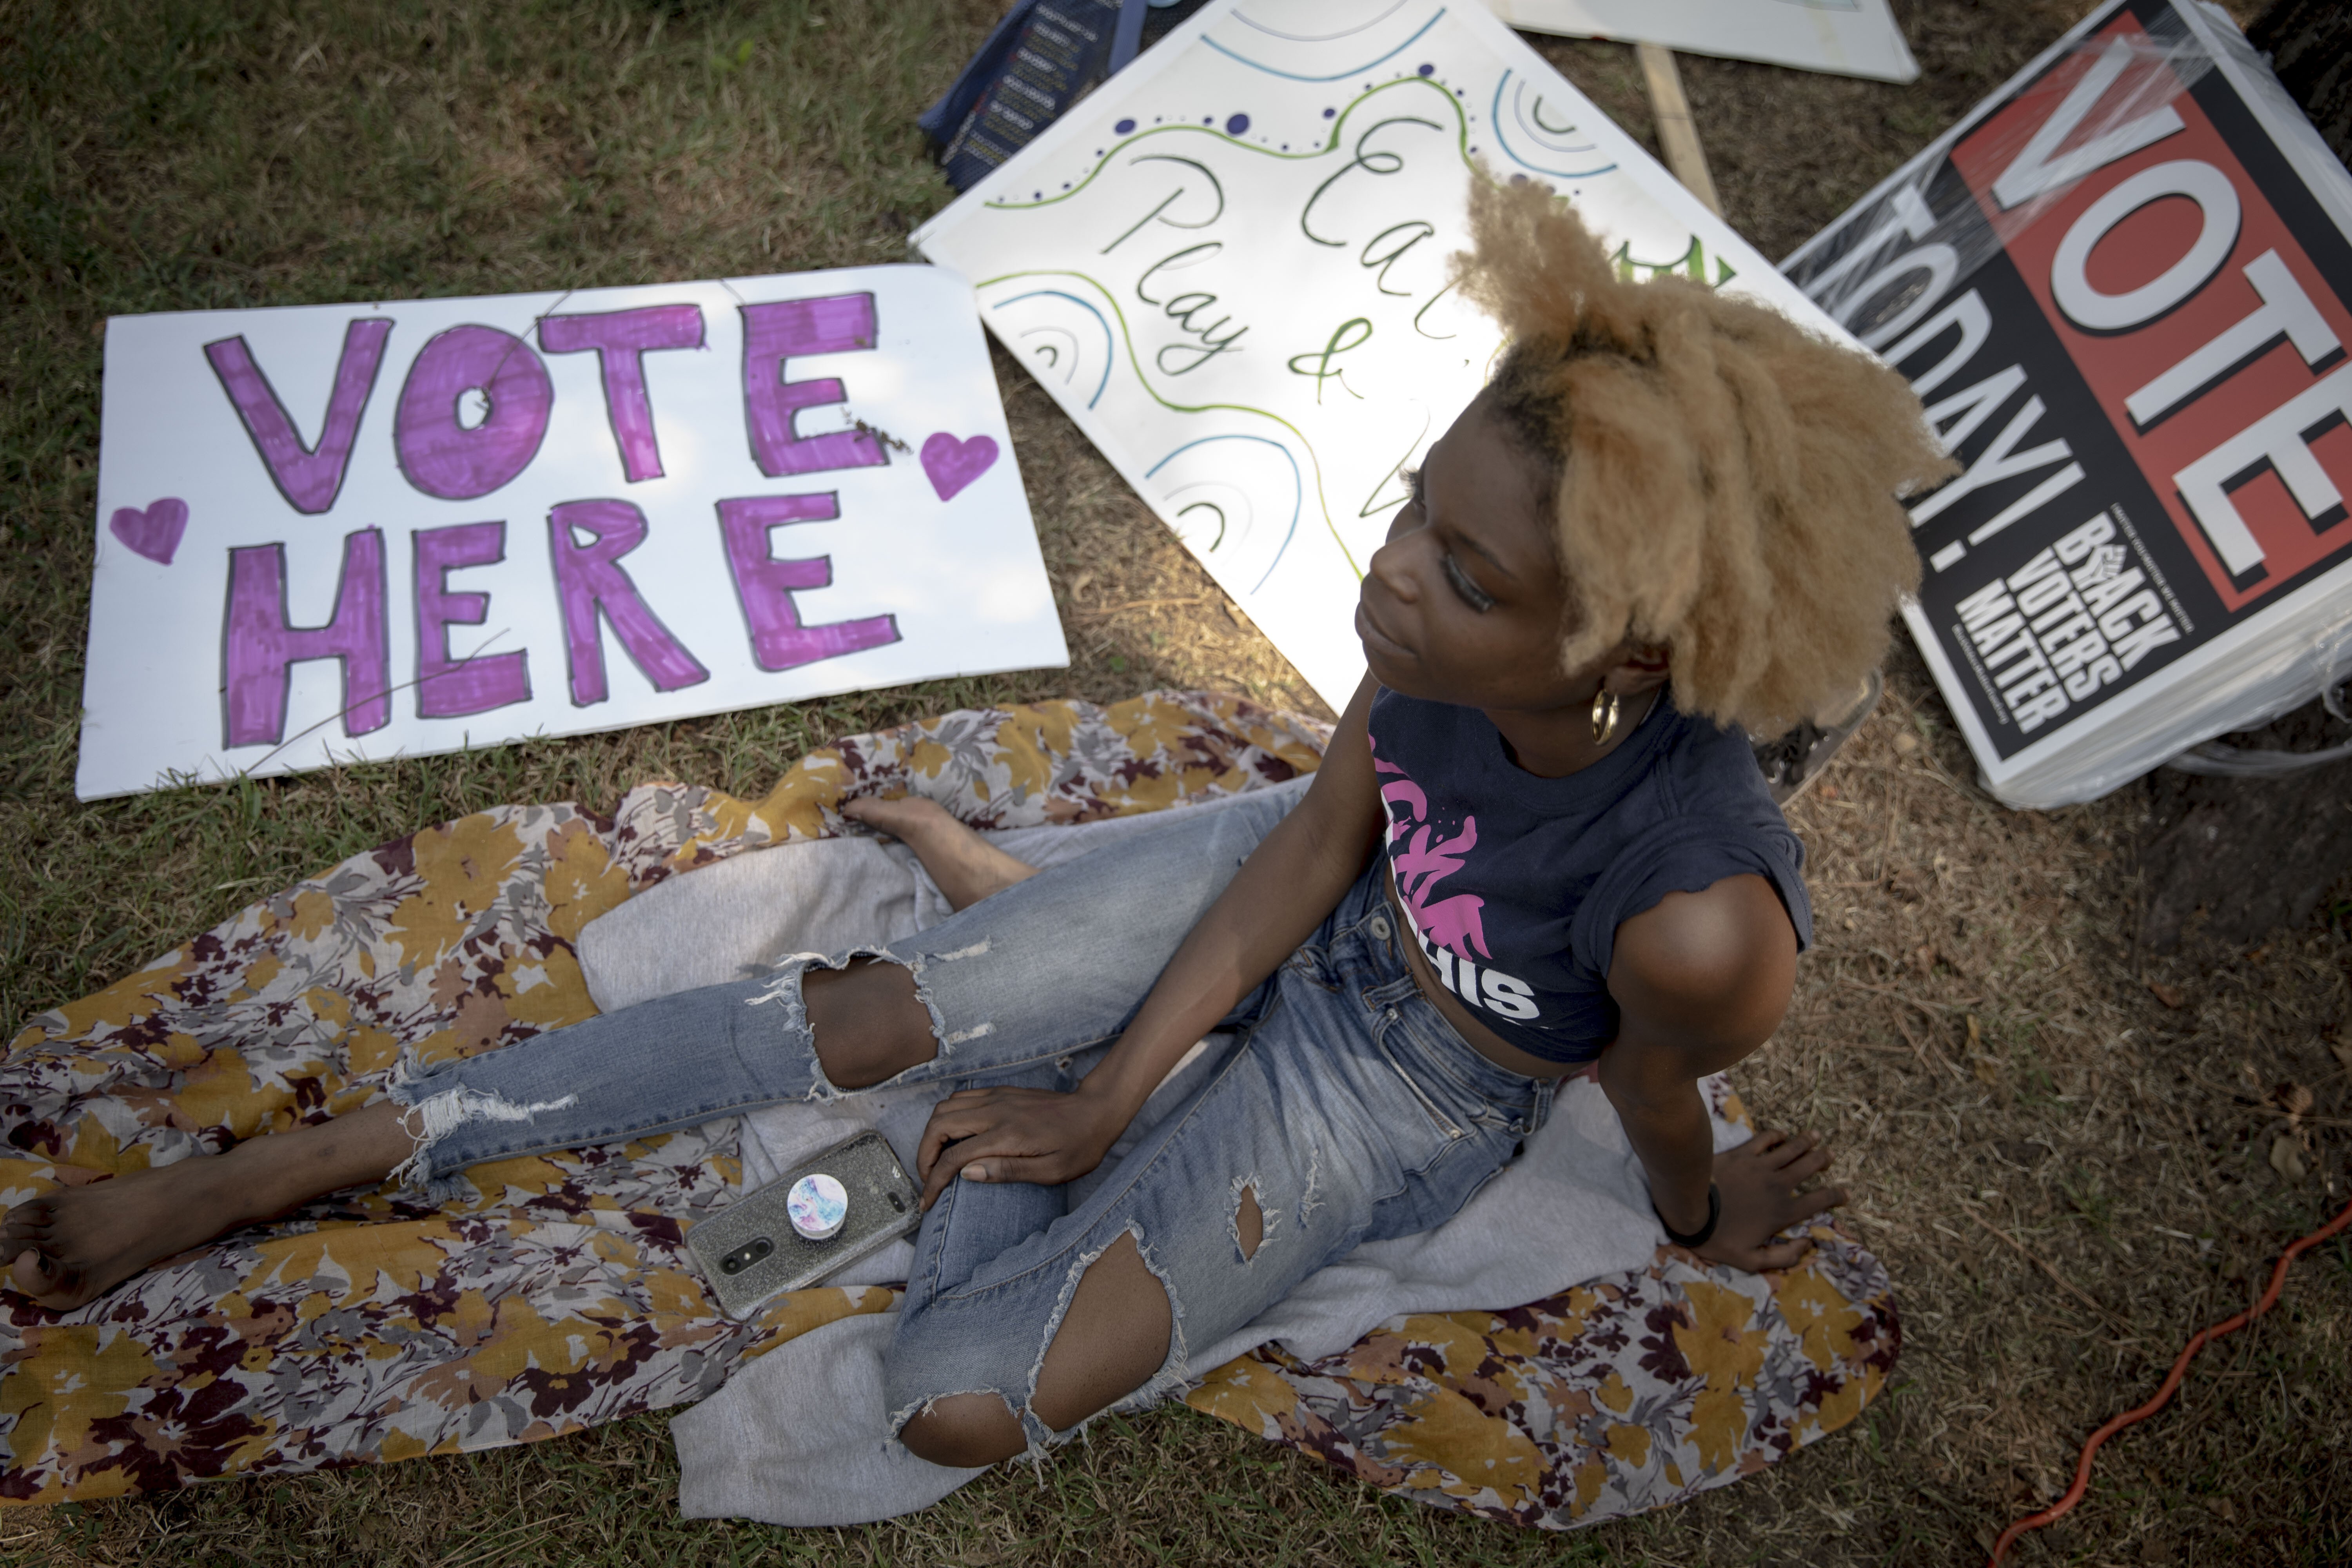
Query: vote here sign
x=332, y=533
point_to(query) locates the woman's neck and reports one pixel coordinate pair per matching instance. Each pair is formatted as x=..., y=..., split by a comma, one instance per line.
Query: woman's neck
x=1553, y=742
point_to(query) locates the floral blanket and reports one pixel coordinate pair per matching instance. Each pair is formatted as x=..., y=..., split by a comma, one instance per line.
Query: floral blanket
x=559, y=1294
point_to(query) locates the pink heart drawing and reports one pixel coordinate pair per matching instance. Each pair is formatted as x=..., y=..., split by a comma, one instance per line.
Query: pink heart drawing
x=953, y=463
x=155, y=532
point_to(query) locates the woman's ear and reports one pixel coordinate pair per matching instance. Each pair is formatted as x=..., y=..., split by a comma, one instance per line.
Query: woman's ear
x=1638, y=667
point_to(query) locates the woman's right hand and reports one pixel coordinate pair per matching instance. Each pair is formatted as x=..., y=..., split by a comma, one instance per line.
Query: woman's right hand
x=1290, y=882
x=1015, y=1135
x=1759, y=1182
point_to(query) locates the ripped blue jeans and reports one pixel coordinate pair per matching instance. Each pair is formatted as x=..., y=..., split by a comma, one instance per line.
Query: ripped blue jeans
x=1349, y=1111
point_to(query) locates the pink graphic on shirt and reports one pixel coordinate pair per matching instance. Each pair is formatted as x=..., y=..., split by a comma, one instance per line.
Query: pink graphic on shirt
x=1420, y=860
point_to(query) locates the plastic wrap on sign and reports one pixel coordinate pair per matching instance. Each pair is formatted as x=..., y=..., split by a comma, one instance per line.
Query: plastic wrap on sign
x=2122, y=287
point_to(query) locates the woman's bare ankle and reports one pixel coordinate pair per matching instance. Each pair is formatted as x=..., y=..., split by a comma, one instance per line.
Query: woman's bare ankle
x=70, y=1248
x=966, y=867
x=287, y=1170
x=912, y=819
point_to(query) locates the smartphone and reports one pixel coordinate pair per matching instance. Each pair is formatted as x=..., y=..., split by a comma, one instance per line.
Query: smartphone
x=751, y=1251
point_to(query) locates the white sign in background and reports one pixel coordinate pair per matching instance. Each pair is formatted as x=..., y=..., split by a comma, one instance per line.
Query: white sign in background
x=1848, y=37
x=331, y=533
x=1229, y=265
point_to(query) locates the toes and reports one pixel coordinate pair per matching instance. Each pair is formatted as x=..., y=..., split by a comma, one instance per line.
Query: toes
x=33, y=1275
x=29, y=1225
x=29, y=1217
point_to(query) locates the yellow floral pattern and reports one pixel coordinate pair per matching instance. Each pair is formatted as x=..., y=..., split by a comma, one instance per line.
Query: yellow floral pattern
x=1620, y=1395
x=556, y=1292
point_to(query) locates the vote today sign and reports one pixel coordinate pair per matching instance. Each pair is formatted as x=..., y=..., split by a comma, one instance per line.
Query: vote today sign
x=2120, y=287
x=339, y=532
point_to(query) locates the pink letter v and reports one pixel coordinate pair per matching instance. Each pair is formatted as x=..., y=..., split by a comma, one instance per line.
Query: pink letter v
x=308, y=477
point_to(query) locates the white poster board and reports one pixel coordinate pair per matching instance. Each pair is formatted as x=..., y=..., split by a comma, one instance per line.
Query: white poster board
x=329, y=534
x=1229, y=265
x=1845, y=37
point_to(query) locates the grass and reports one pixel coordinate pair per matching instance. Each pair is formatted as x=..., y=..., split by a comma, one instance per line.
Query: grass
x=1176, y=1488
x=1974, y=1029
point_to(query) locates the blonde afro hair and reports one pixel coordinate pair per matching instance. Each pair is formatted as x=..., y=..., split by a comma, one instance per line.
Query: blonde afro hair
x=1726, y=482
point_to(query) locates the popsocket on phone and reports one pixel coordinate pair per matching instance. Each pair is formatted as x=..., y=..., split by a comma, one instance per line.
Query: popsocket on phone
x=818, y=1207
x=802, y=1227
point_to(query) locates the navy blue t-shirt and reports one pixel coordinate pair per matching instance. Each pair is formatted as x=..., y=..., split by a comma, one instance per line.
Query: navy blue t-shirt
x=1518, y=884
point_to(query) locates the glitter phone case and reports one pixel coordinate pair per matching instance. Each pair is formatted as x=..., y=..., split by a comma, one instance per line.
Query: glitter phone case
x=749, y=1252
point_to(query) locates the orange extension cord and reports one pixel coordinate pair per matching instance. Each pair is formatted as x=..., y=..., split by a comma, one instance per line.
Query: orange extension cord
x=2064, y=1505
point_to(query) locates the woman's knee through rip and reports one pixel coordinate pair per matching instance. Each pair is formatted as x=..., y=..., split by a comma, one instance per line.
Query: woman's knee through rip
x=867, y=1022
x=1112, y=1340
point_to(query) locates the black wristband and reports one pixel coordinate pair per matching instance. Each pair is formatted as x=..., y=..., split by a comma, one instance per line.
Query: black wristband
x=1700, y=1236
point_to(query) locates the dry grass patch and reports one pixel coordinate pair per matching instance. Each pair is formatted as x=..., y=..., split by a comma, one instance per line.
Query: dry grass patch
x=2067, y=1174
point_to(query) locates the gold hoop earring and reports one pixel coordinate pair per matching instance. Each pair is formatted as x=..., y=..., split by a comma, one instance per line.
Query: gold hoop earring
x=1604, y=716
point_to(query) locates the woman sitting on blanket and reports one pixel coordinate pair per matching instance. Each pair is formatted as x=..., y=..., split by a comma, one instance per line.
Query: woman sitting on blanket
x=1534, y=849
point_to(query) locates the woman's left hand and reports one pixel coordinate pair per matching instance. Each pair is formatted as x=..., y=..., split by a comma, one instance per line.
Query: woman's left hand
x=1757, y=1183
x=1014, y=1135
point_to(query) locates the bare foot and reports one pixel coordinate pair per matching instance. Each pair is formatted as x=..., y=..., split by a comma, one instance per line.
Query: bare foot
x=69, y=1248
x=966, y=867
x=1757, y=1183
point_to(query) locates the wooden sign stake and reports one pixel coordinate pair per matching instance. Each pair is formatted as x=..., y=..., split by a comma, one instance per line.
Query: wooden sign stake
x=1677, y=135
